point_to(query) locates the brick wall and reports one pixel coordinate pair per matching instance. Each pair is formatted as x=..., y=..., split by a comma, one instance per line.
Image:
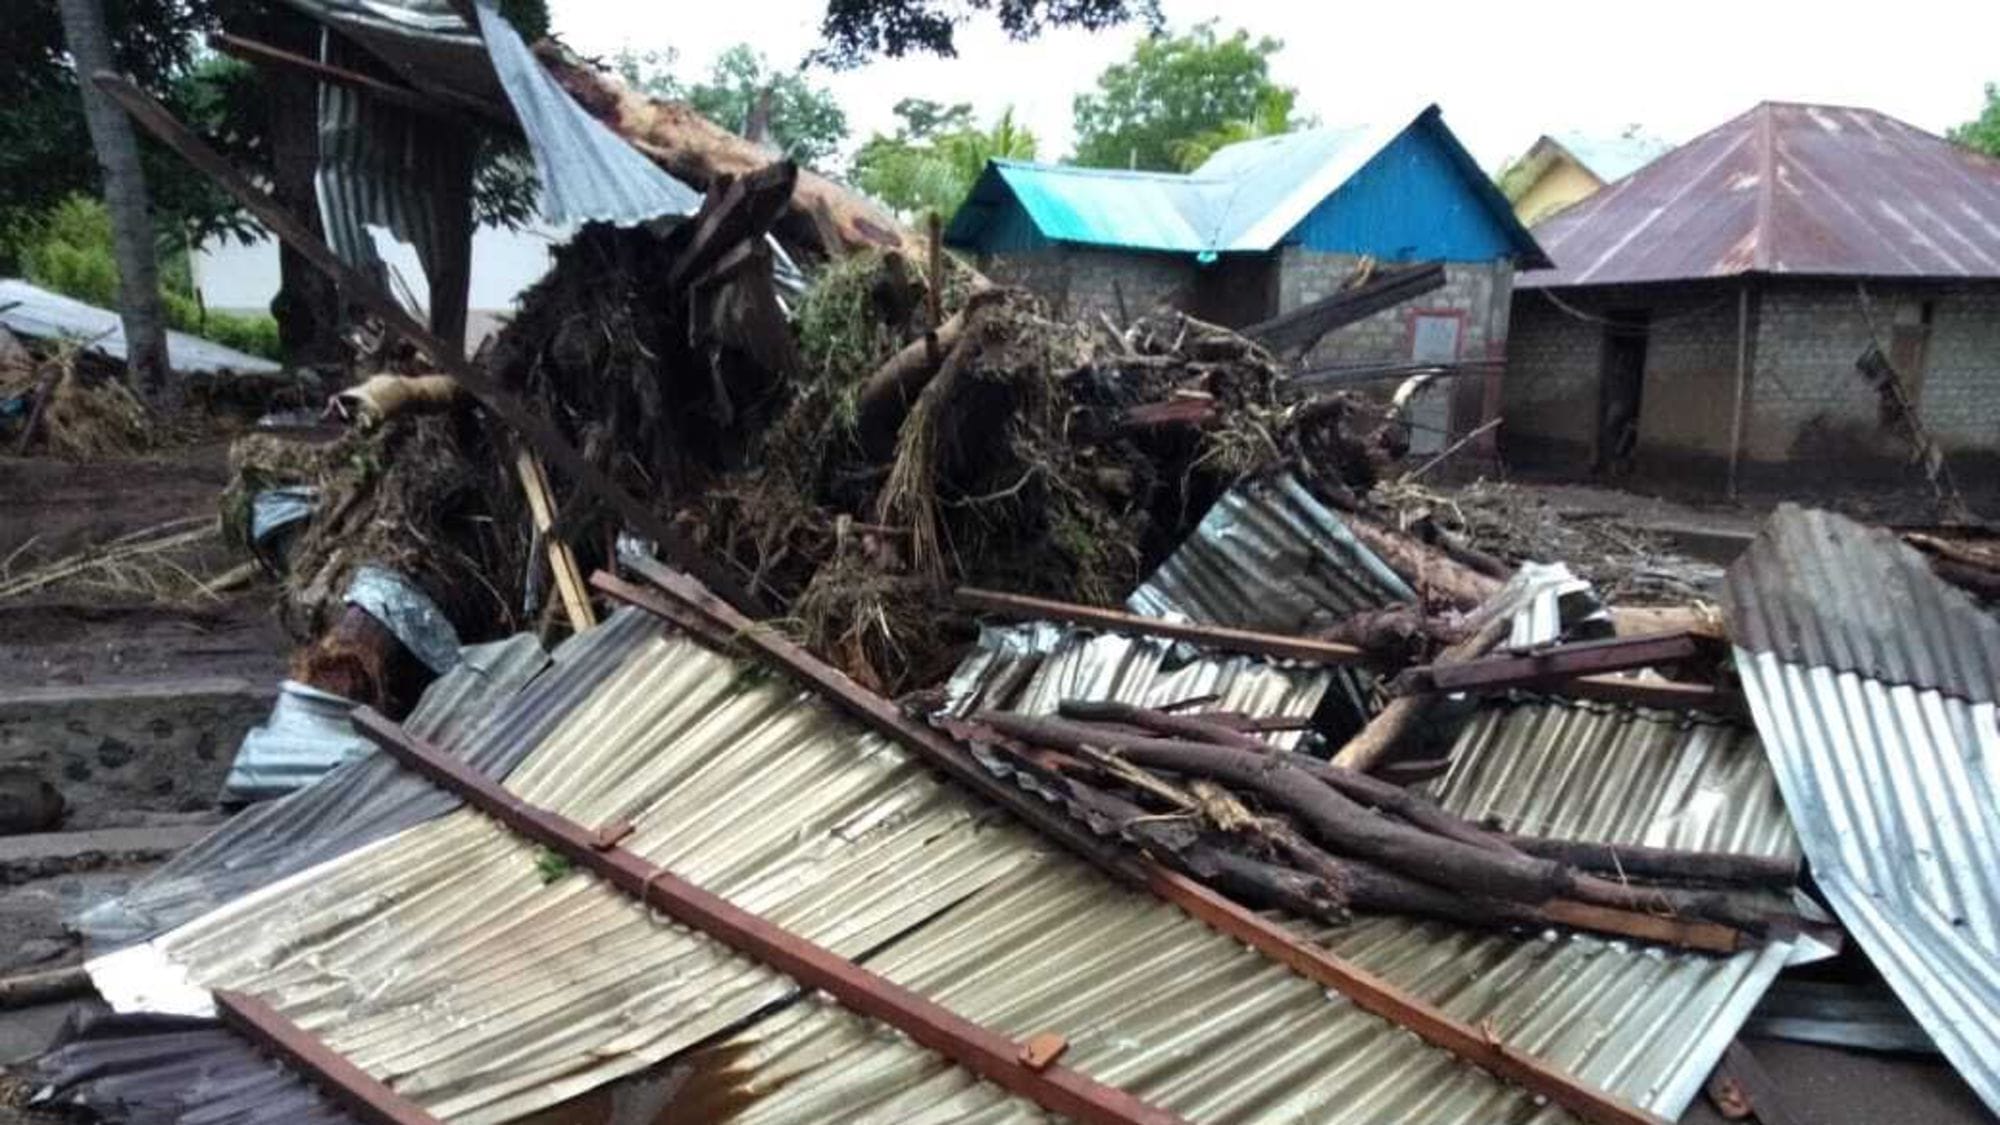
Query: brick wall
x=1078, y=282
x=1810, y=404
x=1480, y=290
x=1548, y=401
x=1807, y=411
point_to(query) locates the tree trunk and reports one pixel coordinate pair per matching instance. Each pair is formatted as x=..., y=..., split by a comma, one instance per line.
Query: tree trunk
x=307, y=305
x=125, y=198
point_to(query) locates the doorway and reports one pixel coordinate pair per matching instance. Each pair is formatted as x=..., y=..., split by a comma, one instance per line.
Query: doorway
x=1621, y=382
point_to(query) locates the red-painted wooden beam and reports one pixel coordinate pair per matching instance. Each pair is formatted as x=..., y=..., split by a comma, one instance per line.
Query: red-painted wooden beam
x=355, y=1089
x=1314, y=962
x=979, y=1049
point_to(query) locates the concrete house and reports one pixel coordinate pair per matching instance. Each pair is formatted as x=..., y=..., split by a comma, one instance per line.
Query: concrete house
x=1263, y=227
x=1705, y=315
x=1558, y=170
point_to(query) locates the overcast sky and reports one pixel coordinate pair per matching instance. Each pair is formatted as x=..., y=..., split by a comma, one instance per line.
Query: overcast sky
x=1504, y=73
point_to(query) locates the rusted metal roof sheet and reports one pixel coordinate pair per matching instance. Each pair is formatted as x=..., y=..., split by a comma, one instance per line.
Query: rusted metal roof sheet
x=1805, y=190
x=1871, y=682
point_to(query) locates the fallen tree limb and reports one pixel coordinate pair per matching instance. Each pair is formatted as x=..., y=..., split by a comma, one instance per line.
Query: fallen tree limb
x=1329, y=816
x=1117, y=621
x=1371, y=791
x=1663, y=863
x=1394, y=722
x=29, y=989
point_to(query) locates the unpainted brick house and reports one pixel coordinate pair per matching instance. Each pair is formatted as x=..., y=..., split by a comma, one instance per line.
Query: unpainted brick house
x=1705, y=316
x=1265, y=226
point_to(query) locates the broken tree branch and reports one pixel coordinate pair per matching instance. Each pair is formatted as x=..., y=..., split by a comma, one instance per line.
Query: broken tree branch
x=449, y=358
x=1394, y=723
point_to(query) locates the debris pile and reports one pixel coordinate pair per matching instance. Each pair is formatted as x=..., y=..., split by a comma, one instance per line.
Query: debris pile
x=810, y=445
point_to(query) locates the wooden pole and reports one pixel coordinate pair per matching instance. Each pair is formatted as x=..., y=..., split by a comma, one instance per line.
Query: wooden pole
x=358, y=287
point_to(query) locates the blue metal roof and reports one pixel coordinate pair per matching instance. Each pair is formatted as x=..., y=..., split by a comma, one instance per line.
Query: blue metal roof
x=1248, y=196
x=1611, y=159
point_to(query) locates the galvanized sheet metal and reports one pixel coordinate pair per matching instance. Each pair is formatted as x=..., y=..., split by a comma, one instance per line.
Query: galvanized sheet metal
x=427, y=958
x=1608, y=774
x=306, y=735
x=1870, y=680
x=439, y=961
x=31, y=311
x=473, y=711
x=588, y=174
x=1818, y=588
x=1269, y=556
x=1896, y=794
x=1787, y=189
x=1645, y=1023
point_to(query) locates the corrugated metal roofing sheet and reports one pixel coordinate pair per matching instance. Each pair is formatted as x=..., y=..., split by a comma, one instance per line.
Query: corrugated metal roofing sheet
x=1787, y=189
x=1647, y=1024
x=473, y=710
x=439, y=960
x=1869, y=679
x=1269, y=556
x=31, y=311
x=1817, y=588
x=587, y=173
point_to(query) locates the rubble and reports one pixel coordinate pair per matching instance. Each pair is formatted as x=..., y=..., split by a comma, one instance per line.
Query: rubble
x=1283, y=723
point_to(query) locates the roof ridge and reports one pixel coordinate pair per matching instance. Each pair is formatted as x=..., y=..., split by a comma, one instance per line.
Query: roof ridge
x=1761, y=258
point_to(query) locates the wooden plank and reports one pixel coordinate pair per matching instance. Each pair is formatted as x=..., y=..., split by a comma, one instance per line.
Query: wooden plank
x=1549, y=665
x=980, y=1049
x=562, y=560
x=263, y=54
x=355, y=286
x=1117, y=621
x=355, y=1089
x=1271, y=938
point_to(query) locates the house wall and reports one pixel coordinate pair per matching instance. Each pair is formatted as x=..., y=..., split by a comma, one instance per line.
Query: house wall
x=1411, y=203
x=1482, y=291
x=1564, y=182
x=1810, y=407
x=1079, y=282
x=1808, y=414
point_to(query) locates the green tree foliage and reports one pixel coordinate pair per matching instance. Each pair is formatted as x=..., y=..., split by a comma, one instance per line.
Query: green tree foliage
x=45, y=151
x=1982, y=133
x=935, y=155
x=806, y=123
x=67, y=249
x=1180, y=97
x=857, y=30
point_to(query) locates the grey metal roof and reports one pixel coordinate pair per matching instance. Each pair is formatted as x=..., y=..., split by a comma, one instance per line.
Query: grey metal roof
x=1812, y=190
x=1644, y=1023
x=427, y=958
x=587, y=172
x=473, y=710
x=29, y=310
x=1817, y=588
x=1269, y=556
x=1870, y=681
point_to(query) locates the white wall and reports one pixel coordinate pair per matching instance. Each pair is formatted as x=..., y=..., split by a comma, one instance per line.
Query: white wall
x=234, y=277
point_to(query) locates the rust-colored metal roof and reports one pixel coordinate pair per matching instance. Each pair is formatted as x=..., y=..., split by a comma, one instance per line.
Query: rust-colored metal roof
x=1804, y=190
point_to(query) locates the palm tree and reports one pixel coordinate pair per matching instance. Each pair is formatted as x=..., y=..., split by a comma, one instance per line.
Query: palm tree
x=124, y=198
